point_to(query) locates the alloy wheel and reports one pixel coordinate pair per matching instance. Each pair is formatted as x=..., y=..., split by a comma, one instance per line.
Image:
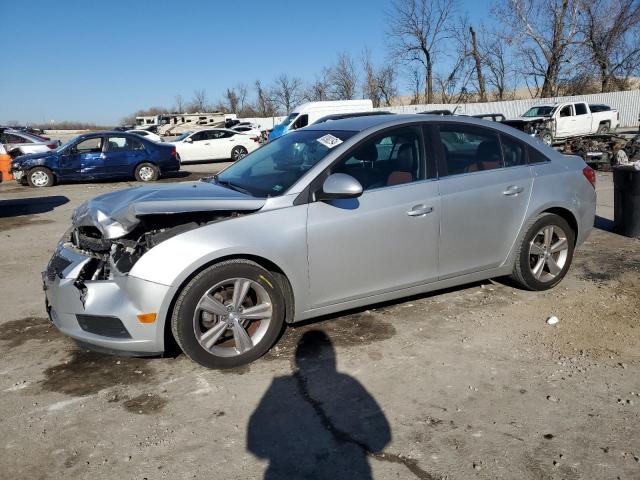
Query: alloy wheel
x=548, y=252
x=232, y=317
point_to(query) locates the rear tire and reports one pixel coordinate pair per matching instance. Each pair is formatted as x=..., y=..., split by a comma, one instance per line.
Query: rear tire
x=147, y=172
x=603, y=129
x=219, y=328
x=238, y=153
x=545, y=253
x=40, y=177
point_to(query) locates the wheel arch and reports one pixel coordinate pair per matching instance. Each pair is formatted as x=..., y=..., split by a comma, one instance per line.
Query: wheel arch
x=566, y=215
x=285, y=284
x=54, y=174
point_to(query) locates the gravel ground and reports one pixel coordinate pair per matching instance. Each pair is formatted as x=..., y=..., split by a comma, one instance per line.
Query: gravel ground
x=465, y=383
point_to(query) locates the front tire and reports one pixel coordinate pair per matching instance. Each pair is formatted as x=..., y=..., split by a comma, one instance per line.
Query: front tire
x=238, y=153
x=40, y=177
x=545, y=253
x=228, y=315
x=146, y=172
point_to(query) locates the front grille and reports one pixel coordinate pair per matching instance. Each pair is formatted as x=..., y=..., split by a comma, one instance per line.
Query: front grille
x=56, y=266
x=103, y=325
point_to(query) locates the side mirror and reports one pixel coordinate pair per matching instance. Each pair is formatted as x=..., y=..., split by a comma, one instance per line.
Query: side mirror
x=339, y=185
x=188, y=140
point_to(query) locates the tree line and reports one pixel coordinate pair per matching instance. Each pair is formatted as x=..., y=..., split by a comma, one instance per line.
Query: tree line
x=438, y=54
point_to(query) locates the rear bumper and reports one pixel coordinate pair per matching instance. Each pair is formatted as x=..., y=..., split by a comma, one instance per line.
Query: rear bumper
x=119, y=299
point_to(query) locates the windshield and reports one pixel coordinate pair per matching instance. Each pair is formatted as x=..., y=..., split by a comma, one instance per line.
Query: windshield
x=289, y=119
x=543, y=111
x=275, y=167
x=183, y=136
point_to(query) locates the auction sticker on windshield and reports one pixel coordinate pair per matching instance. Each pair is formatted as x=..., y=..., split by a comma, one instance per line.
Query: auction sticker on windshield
x=329, y=141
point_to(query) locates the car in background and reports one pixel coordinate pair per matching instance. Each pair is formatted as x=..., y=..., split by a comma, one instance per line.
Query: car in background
x=248, y=130
x=18, y=143
x=147, y=134
x=328, y=218
x=95, y=156
x=213, y=144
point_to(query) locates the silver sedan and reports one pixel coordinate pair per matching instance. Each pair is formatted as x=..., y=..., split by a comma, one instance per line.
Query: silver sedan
x=327, y=218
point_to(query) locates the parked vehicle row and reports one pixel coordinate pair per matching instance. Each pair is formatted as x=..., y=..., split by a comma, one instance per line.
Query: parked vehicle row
x=331, y=217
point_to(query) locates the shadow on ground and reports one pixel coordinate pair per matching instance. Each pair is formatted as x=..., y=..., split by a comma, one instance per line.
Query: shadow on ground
x=30, y=206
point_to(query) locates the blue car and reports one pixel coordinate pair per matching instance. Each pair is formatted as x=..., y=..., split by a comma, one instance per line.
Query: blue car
x=94, y=156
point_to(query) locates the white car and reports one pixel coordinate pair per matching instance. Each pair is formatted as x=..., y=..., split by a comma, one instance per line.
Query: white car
x=148, y=135
x=214, y=144
x=252, y=131
x=23, y=143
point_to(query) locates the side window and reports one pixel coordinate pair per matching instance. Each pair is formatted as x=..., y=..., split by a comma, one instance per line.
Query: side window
x=392, y=158
x=566, y=111
x=9, y=138
x=581, y=109
x=536, y=157
x=302, y=121
x=115, y=144
x=134, y=145
x=513, y=152
x=469, y=149
x=228, y=134
x=90, y=145
x=196, y=137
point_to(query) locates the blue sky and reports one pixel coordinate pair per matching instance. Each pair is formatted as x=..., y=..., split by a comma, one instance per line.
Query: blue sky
x=99, y=61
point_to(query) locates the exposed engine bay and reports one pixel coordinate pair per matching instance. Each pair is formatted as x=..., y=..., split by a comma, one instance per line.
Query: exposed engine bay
x=118, y=256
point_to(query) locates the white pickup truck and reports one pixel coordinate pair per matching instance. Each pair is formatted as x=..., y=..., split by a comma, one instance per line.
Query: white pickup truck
x=566, y=120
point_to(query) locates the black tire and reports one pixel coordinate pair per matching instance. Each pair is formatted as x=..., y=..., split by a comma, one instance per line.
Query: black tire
x=146, y=172
x=238, y=153
x=603, y=128
x=182, y=320
x=40, y=177
x=522, y=272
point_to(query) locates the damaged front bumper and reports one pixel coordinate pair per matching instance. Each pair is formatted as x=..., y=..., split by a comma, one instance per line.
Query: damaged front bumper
x=102, y=313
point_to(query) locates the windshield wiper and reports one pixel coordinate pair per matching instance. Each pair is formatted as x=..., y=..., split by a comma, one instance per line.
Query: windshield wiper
x=232, y=186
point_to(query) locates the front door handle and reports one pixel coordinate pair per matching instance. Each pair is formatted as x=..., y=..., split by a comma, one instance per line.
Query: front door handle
x=419, y=210
x=512, y=191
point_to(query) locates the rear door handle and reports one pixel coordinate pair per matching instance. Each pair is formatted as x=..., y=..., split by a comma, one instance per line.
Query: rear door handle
x=513, y=190
x=419, y=210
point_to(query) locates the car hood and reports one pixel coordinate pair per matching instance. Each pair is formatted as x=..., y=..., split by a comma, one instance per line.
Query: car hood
x=32, y=156
x=117, y=213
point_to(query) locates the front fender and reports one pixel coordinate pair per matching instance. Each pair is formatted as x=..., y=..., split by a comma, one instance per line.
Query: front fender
x=278, y=236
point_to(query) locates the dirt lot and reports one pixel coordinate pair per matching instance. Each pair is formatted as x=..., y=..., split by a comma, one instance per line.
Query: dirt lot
x=466, y=383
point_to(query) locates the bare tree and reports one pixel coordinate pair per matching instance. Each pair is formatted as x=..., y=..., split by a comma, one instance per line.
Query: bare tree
x=287, y=92
x=417, y=29
x=497, y=66
x=264, y=103
x=475, y=53
x=231, y=100
x=379, y=84
x=344, y=78
x=199, y=101
x=179, y=103
x=416, y=79
x=546, y=33
x=243, y=93
x=320, y=89
x=610, y=29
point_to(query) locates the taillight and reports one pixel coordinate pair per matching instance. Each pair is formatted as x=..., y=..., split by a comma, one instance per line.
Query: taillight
x=52, y=145
x=590, y=174
x=173, y=152
x=256, y=139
